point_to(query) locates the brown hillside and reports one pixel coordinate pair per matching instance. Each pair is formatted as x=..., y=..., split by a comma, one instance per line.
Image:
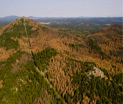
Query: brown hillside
x=56, y=64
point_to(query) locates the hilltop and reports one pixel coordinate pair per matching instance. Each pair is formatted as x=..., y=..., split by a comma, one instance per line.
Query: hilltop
x=42, y=65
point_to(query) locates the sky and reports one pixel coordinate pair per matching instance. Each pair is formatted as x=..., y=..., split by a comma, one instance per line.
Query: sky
x=62, y=8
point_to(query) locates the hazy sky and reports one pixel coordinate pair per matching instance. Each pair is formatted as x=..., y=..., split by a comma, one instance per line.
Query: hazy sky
x=61, y=8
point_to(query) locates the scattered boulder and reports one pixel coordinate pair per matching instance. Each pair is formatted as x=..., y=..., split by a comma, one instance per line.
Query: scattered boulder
x=97, y=72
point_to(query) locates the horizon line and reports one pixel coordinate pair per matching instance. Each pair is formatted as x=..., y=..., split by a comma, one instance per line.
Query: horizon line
x=63, y=16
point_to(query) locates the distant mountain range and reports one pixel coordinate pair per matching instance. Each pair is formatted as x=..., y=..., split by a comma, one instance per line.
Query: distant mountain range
x=11, y=18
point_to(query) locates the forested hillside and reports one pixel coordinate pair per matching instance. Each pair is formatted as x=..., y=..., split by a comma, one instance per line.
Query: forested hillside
x=44, y=65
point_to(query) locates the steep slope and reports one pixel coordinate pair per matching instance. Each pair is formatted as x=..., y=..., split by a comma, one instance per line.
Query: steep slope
x=21, y=81
x=40, y=65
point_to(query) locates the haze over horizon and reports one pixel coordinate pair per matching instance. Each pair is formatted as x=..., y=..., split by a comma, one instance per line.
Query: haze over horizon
x=58, y=8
